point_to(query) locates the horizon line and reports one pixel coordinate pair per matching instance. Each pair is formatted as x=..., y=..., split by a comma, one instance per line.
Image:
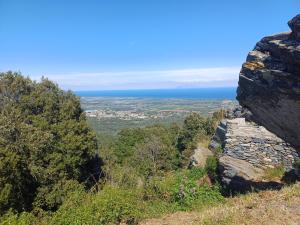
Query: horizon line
x=226, y=76
x=158, y=89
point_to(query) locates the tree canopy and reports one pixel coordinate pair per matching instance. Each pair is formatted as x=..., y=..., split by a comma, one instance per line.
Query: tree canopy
x=46, y=146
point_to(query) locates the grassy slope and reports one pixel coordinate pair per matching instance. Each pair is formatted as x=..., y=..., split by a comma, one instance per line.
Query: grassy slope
x=266, y=207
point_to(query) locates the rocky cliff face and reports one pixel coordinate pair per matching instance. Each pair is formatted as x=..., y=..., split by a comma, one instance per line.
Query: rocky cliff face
x=269, y=83
x=265, y=131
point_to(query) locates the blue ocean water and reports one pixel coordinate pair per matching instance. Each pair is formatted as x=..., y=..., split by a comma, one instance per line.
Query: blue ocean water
x=195, y=93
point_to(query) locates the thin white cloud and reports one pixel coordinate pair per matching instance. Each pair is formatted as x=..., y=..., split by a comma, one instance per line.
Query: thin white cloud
x=151, y=79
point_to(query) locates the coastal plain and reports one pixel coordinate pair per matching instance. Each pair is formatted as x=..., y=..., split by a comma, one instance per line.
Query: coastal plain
x=109, y=115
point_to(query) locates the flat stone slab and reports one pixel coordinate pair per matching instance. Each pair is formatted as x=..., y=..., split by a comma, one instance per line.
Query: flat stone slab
x=241, y=176
x=239, y=127
x=240, y=168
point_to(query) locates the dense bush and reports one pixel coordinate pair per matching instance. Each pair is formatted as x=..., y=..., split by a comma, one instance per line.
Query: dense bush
x=24, y=218
x=114, y=205
x=110, y=206
x=142, y=152
x=46, y=146
x=182, y=189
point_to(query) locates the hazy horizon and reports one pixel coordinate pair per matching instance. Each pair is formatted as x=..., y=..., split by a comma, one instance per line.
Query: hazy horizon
x=148, y=80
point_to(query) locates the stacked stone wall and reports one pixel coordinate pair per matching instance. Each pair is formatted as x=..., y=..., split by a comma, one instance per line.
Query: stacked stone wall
x=256, y=145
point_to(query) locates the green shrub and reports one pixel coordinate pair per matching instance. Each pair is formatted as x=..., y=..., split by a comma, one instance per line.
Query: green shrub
x=23, y=218
x=182, y=190
x=60, y=191
x=193, y=125
x=196, y=130
x=188, y=194
x=274, y=173
x=195, y=173
x=110, y=206
x=211, y=165
x=123, y=176
x=178, y=190
x=218, y=151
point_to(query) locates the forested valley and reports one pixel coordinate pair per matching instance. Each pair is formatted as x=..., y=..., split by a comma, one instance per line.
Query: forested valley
x=54, y=169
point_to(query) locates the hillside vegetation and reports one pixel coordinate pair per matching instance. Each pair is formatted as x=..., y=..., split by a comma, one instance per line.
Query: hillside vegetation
x=263, y=208
x=55, y=171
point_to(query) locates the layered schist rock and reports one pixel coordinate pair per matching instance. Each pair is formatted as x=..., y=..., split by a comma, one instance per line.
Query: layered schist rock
x=265, y=131
x=269, y=83
x=248, y=151
x=255, y=144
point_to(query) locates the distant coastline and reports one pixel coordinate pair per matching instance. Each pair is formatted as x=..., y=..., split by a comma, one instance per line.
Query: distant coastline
x=191, y=93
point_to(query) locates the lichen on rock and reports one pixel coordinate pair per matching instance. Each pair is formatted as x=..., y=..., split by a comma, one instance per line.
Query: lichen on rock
x=269, y=83
x=264, y=131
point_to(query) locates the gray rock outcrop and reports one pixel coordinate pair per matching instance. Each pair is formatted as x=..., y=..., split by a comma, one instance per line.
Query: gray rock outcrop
x=248, y=151
x=265, y=131
x=269, y=83
x=241, y=176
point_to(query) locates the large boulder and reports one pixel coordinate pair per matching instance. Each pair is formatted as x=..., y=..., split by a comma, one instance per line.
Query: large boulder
x=233, y=167
x=241, y=176
x=269, y=83
x=198, y=159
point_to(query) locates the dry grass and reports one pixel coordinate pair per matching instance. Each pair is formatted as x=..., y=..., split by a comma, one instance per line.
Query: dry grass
x=205, y=141
x=263, y=208
x=274, y=174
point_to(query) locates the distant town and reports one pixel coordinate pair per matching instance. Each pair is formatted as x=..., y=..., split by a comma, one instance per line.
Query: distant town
x=111, y=114
x=132, y=114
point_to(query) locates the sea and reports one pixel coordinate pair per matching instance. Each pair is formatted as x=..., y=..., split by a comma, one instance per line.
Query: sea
x=228, y=93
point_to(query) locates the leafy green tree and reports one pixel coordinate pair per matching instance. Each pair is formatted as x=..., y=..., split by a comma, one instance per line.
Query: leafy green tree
x=127, y=139
x=153, y=156
x=193, y=125
x=15, y=176
x=46, y=146
x=196, y=127
x=196, y=130
x=147, y=151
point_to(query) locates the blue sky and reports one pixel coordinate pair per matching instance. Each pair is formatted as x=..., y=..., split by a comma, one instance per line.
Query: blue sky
x=136, y=44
